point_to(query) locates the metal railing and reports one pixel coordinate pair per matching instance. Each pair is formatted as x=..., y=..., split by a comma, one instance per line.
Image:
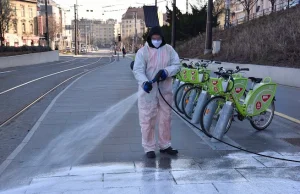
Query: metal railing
x=267, y=11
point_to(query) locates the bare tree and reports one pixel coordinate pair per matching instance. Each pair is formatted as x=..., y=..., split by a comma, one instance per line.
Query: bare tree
x=5, y=17
x=54, y=27
x=248, y=5
x=127, y=42
x=219, y=6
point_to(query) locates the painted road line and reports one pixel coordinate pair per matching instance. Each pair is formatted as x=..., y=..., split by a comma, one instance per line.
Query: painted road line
x=47, y=76
x=287, y=117
x=12, y=156
x=59, y=63
x=79, y=61
x=6, y=71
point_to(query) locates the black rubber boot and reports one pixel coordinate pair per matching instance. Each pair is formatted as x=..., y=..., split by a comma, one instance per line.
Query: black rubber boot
x=151, y=154
x=170, y=151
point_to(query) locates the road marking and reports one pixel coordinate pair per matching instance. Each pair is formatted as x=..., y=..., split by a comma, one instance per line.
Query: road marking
x=6, y=71
x=80, y=60
x=12, y=156
x=287, y=117
x=41, y=65
x=47, y=76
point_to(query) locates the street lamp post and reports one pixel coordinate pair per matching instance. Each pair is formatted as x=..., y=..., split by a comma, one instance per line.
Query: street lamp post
x=173, y=24
x=88, y=37
x=208, y=40
x=227, y=14
x=76, y=29
x=135, y=31
x=47, y=23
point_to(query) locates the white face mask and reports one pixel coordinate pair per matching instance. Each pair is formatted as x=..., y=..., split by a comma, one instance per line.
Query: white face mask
x=156, y=43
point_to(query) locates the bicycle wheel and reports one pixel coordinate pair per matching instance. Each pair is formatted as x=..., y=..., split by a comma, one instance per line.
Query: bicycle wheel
x=192, y=92
x=178, y=95
x=258, y=123
x=210, y=114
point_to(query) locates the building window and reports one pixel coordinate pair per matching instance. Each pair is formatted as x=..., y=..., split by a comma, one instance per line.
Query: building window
x=31, y=28
x=22, y=11
x=15, y=27
x=30, y=12
x=23, y=28
x=14, y=8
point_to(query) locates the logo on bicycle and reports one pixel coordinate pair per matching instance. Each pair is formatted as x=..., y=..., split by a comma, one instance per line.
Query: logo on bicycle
x=238, y=90
x=266, y=97
x=215, y=82
x=258, y=105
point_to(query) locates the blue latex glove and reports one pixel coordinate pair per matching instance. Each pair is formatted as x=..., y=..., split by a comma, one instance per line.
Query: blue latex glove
x=162, y=75
x=147, y=86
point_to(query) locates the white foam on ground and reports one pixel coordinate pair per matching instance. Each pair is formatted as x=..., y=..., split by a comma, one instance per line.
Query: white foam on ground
x=66, y=146
x=74, y=144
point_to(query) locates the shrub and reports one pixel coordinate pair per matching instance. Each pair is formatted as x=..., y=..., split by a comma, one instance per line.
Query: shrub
x=24, y=49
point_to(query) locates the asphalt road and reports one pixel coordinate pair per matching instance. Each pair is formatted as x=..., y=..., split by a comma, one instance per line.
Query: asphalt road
x=22, y=85
x=95, y=124
x=38, y=79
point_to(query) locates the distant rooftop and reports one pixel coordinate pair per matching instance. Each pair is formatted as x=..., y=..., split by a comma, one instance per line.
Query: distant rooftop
x=130, y=13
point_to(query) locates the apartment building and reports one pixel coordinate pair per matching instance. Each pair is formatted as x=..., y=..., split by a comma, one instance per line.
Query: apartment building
x=23, y=26
x=57, y=23
x=128, y=22
x=96, y=32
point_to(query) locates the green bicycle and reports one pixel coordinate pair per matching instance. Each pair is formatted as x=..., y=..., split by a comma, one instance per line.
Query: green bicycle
x=258, y=106
x=193, y=93
x=195, y=75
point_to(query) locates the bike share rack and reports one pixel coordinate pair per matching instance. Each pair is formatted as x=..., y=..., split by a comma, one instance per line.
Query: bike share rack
x=225, y=115
x=202, y=99
x=176, y=85
x=190, y=105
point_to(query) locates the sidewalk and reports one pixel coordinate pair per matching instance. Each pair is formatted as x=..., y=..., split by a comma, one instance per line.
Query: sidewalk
x=89, y=141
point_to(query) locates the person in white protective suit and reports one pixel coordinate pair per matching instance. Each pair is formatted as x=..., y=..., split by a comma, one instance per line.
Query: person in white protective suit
x=155, y=59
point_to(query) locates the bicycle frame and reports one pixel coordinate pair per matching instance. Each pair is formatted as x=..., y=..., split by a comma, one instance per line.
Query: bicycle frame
x=257, y=100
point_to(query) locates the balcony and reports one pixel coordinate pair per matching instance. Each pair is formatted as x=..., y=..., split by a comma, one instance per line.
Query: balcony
x=29, y=1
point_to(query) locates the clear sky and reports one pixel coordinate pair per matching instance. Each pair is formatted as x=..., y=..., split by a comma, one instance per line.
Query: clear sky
x=99, y=11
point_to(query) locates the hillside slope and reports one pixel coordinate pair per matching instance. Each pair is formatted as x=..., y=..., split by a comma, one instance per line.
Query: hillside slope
x=269, y=40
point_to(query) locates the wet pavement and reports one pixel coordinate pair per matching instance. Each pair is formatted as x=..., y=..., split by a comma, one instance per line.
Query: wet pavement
x=89, y=141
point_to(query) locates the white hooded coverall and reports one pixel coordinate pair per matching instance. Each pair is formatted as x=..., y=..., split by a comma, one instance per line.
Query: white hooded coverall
x=152, y=108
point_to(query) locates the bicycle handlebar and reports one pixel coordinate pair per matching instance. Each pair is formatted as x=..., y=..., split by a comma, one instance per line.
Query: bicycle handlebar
x=184, y=59
x=244, y=69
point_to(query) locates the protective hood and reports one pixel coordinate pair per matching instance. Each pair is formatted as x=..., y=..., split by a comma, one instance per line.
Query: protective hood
x=155, y=30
